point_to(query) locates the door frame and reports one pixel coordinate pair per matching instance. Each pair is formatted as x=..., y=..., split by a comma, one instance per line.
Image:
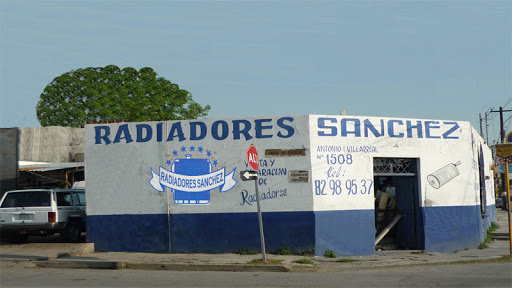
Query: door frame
x=412, y=170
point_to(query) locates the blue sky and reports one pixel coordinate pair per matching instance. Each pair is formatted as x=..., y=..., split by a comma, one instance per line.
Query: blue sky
x=446, y=60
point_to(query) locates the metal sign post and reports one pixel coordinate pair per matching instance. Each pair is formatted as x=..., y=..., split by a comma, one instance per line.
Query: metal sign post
x=509, y=207
x=260, y=220
x=253, y=161
x=250, y=175
x=505, y=151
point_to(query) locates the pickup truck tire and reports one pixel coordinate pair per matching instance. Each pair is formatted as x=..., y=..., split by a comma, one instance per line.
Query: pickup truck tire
x=72, y=231
x=17, y=238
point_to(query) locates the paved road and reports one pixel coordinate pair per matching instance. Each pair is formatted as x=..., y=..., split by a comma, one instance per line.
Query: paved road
x=468, y=275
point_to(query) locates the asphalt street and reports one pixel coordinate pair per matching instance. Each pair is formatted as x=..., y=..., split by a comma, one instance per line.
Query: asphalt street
x=467, y=275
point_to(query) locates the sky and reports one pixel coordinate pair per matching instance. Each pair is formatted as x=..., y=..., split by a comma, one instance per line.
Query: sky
x=442, y=60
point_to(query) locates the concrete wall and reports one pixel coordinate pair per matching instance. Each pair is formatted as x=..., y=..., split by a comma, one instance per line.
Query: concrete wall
x=135, y=181
x=51, y=144
x=9, y=150
x=449, y=213
x=126, y=206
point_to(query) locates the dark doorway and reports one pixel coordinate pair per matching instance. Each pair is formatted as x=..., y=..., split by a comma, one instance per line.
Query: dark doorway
x=396, y=186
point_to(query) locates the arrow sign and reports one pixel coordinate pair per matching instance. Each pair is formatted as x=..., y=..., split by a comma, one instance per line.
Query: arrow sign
x=248, y=175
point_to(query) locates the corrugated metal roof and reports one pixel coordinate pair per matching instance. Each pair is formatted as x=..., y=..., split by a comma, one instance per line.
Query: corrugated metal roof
x=49, y=166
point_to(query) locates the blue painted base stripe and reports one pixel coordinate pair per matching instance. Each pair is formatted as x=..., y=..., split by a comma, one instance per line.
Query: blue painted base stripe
x=229, y=232
x=132, y=233
x=446, y=229
x=449, y=229
x=491, y=216
x=345, y=232
x=201, y=233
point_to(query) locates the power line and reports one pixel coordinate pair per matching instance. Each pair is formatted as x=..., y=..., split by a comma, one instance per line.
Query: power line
x=508, y=102
x=505, y=124
x=490, y=115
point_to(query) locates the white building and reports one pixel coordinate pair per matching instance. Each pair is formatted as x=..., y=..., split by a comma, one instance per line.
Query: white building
x=175, y=186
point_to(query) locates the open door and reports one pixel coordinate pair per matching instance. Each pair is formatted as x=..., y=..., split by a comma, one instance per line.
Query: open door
x=406, y=227
x=397, y=180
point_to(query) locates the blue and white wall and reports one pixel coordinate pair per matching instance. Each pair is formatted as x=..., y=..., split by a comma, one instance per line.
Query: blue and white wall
x=128, y=210
x=484, y=181
x=342, y=151
x=140, y=177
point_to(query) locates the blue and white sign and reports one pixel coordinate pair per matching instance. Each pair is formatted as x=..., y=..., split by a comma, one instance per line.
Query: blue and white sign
x=194, y=184
x=197, y=183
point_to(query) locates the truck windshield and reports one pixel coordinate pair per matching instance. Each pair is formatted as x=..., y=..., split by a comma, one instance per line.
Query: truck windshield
x=27, y=199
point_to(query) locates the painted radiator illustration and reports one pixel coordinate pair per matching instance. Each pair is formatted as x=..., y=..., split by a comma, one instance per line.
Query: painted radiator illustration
x=443, y=175
x=191, y=167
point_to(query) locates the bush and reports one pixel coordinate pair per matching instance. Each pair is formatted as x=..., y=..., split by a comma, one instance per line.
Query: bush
x=329, y=253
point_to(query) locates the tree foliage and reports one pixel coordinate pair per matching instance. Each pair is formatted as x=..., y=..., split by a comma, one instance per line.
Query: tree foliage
x=111, y=94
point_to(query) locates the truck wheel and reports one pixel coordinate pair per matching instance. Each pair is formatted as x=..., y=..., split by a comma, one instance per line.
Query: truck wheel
x=17, y=238
x=72, y=232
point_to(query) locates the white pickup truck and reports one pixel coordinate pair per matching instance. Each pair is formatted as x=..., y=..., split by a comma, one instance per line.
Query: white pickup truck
x=43, y=212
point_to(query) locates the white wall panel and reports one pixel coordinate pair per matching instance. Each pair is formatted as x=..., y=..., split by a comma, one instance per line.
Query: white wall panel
x=119, y=174
x=436, y=144
x=339, y=159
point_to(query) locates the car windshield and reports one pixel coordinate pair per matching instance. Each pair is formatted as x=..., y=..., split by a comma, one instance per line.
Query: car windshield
x=27, y=199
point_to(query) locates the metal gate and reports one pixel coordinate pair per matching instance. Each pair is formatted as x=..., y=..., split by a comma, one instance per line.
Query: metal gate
x=394, y=166
x=404, y=176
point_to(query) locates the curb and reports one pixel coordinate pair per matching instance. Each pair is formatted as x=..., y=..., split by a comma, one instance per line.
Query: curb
x=501, y=238
x=88, y=249
x=80, y=264
x=185, y=267
x=208, y=267
x=162, y=266
x=499, y=233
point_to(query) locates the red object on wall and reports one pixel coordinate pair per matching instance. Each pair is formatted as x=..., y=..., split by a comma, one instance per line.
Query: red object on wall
x=252, y=158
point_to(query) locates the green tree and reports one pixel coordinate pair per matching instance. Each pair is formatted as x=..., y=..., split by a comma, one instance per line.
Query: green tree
x=111, y=94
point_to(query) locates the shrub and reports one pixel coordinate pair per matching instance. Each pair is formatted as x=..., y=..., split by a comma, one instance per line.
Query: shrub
x=329, y=253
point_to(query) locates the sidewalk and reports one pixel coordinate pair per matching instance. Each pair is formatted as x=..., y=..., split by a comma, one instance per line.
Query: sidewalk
x=502, y=220
x=82, y=255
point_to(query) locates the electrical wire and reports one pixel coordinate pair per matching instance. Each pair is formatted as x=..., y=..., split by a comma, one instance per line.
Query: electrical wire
x=491, y=116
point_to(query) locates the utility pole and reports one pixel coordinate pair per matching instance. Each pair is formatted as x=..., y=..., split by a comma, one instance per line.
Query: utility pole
x=502, y=140
x=504, y=176
x=486, y=129
x=481, y=131
x=502, y=129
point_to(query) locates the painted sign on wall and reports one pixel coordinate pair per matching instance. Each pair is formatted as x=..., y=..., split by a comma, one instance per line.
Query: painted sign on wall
x=315, y=178
x=195, y=163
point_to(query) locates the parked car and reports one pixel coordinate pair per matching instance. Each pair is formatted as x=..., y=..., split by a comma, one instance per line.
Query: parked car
x=43, y=212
